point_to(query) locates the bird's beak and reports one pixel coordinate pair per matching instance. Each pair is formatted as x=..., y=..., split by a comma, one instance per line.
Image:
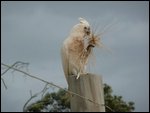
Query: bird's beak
x=88, y=31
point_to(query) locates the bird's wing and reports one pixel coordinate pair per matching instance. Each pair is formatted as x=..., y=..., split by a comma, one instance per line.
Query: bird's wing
x=65, y=61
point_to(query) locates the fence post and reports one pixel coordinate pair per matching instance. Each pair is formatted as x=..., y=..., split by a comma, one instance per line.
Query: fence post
x=89, y=86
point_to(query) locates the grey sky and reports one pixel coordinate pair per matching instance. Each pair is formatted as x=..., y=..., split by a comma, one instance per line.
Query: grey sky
x=34, y=31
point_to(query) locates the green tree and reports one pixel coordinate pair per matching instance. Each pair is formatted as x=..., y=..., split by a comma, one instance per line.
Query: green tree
x=116, y=103
x=59, y=102
x=51, y=102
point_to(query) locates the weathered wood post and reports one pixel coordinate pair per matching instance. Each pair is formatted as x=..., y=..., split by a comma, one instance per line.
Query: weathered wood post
x=90, y=86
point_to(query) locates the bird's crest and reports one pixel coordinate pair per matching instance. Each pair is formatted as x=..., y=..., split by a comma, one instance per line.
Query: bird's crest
x=83, y=21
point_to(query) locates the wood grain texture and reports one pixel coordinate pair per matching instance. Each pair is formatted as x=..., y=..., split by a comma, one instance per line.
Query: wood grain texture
x=89, y=86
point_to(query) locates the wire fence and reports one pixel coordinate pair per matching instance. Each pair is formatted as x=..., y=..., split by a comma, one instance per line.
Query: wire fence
x=14, y=67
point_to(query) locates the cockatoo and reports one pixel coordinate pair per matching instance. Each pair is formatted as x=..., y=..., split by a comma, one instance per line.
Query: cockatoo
x=77, y=48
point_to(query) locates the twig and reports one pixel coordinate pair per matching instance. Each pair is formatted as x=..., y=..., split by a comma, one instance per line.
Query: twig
x=33, y=96
x=108, y=108
x=15, y=64
x=51, y=84
x=4, y=83
x=24, y=107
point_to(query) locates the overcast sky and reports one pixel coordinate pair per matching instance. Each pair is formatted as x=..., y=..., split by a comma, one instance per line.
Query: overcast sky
x=33, y=32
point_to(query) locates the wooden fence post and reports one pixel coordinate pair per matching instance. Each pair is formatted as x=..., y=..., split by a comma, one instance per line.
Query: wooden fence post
x=90, y=86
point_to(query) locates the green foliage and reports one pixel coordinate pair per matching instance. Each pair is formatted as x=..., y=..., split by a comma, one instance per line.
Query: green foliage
x=59, y=102
x=116, y=102
x=51, y=102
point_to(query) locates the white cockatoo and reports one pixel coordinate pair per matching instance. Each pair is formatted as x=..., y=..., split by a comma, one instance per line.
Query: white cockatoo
x=76, y=49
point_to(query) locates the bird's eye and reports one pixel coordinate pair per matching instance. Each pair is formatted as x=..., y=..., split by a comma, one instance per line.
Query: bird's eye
x=85, y=27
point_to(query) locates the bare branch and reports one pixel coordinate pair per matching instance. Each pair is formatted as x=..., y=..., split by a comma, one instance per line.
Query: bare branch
x=44, y=90
x=108, y=108
x=16, y=64
x=4, y=83
x=33, y=96
x=24, y=107
x=51, y=84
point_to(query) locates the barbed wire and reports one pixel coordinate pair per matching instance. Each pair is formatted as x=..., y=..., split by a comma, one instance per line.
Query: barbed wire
x=48, y=83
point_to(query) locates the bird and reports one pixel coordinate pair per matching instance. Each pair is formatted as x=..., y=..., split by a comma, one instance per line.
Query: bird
x=77, y=48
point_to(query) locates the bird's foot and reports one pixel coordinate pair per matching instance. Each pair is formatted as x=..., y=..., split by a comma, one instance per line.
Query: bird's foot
x=78, y=75
x=81, y=74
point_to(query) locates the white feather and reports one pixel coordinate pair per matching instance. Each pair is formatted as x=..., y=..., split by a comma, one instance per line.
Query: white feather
x=82, y=20
x=72, y=50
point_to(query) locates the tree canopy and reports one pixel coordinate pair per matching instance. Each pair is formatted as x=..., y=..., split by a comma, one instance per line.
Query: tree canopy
x=59, y=102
